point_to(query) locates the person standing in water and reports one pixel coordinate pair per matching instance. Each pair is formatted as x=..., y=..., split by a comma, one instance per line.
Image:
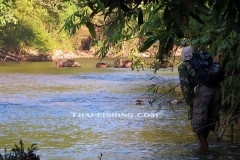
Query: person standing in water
x=204, y=104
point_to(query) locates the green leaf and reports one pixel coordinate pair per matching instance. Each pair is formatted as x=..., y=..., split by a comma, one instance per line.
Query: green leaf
x=161, y=34
x=140, y=17
x=158, y=9
x=204, y=38
x=194, y=41
x=202, y=9
x=230, y=20
x=112, y=28
x=101, y=6
x=217, y=15
x=147, y=44
x=111, y=5
x=155, y=77
x=149, y=33
x=169, y=44
x=91, y=29
x=196, y=17
x=222, y=47
x=217, y=8
x=73, y=30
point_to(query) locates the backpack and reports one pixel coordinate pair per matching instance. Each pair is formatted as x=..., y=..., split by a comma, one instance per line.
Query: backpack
x=207, y=71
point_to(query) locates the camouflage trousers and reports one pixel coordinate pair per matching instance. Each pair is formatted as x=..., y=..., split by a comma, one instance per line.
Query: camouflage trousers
x=206, y=109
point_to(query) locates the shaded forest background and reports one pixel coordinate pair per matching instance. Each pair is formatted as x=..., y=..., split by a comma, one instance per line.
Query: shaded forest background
x=33, y=27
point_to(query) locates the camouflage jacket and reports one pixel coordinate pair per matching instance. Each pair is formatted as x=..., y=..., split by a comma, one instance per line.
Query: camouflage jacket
x=187, y=81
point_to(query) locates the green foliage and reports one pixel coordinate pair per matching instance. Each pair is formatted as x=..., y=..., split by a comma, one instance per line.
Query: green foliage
x=38, y=26
x=6, y=15
x=157, y=92
x=222, y=43
x=19, y=153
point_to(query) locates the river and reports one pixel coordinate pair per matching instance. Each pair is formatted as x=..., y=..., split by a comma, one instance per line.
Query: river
x=81, y=113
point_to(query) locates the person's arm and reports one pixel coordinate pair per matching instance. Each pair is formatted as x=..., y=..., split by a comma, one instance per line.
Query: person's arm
x=188, y=94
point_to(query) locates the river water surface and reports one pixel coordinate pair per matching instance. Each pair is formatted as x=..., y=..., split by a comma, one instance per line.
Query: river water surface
x=81, y=113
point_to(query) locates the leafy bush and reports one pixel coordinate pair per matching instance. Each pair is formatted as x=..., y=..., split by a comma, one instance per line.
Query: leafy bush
x=18, y=153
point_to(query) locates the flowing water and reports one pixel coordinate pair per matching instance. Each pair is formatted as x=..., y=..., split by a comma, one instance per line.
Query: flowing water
x=81, y=113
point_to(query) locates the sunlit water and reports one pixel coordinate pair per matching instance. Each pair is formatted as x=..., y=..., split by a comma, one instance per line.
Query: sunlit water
x=79, y=113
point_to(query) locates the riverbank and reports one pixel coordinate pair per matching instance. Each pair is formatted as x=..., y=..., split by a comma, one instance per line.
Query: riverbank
x=34, y=56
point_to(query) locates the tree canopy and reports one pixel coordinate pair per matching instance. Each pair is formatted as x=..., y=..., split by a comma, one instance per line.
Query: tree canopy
x=166, y=21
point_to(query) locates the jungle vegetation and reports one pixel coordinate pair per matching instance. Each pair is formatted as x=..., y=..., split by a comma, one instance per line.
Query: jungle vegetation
x=35, y=25
x=133, y=27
